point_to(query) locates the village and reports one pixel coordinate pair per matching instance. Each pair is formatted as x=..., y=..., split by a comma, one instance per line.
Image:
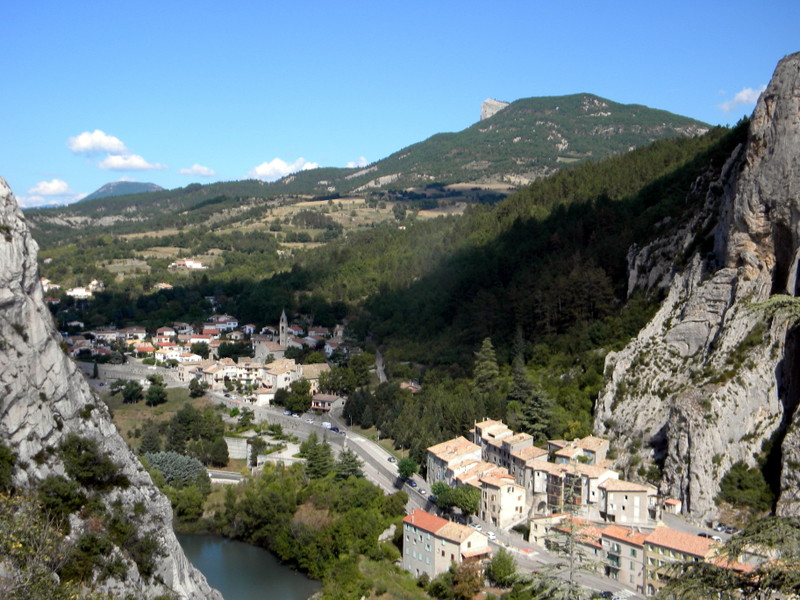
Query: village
x=566, y=489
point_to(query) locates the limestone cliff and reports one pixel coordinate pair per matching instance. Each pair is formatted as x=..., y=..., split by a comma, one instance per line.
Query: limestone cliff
x=710, y=381
x=45, y=399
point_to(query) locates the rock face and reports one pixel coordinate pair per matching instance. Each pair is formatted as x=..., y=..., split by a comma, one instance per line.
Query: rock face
x=710, y=380
x=45, y=398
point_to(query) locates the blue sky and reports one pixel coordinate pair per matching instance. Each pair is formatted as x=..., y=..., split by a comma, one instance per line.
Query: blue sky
x=181, y=92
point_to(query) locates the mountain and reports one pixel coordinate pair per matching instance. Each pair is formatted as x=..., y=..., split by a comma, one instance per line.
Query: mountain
x=66, y=452
x=528, y=139
x=122, y=188
x=708, y=390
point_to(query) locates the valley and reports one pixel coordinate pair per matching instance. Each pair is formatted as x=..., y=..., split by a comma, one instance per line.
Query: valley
x=597, y=365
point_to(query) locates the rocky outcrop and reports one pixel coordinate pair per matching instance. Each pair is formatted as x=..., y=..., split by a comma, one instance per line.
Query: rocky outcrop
x=711, y=381
x=45, y=399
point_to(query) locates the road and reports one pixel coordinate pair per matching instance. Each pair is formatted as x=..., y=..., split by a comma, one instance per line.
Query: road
x=382, y=471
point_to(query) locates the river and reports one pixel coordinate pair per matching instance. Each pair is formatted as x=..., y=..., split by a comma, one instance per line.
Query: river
x=244, y=572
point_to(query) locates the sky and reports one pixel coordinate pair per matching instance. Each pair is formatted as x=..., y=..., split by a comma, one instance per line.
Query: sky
x=175, y=93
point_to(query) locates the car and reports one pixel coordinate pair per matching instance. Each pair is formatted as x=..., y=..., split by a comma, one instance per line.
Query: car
x=491, y=535
x=476, y=526
x=730, y=530
x=716, y=538
x=412, y=483
x=227, y=395
x=720, y=527
x=310, y=421
x=422, y=492
x=703, y=534
x=287, y=412
x=392, y=459
x=605, y=594
x=335, y=429
x=296, y=415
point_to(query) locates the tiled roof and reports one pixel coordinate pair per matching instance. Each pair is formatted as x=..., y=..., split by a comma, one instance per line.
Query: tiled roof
x=425, y=521
x=454, y=448
x=680, y=541
x=455, y=532
x=618, y=485
x=592, y=443
x=529, y=453
x=499, y=480
x=625, y=534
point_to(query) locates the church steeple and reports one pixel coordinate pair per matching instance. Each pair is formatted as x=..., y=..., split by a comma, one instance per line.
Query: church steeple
x=283, y=330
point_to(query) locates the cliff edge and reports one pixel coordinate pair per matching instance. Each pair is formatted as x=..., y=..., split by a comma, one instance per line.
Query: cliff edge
x=47, y=406
x=711, y=380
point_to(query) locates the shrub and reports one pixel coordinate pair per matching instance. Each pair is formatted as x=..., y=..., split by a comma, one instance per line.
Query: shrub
x=89, y=466
x=60, y=496
x=743, y=485
x=179, y=471
x=7, y=460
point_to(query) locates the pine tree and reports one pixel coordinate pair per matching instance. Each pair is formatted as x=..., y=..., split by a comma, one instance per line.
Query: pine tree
x=349, y=465
x=486, y=379
x=319, y=463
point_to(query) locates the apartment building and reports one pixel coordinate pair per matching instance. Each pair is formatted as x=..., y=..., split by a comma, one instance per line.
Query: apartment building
x=431, y=544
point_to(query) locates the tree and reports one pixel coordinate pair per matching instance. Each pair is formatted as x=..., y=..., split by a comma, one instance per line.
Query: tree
x=201, y=349
x=486, y=379
x=502, y=569
x=467, y=579
x=196, y=388
x=349, y=465
x=319, y=463
x=151, y=441
x=467, y=499
x=156, y=394
x=132, y=392
x=218, y=456
x=407, y=467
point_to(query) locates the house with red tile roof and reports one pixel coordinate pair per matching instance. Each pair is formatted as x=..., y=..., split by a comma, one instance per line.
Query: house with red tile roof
x=431, y=544
x=451, y=458
x=664, y=547
x=624, y=555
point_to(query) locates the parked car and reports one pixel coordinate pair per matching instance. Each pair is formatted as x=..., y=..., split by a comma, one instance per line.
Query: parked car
x=392, y=459
x=422, y=492
x=412, y=483
x=335, y=429
x=491, y=535
x=287, y=412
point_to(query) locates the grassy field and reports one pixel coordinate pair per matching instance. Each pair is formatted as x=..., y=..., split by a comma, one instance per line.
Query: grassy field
x=129, y=417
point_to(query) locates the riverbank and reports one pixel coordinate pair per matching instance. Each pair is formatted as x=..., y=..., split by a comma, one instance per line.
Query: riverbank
x=244, y=572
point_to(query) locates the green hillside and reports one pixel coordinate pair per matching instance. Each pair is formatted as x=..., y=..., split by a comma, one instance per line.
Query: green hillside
x=529, y=139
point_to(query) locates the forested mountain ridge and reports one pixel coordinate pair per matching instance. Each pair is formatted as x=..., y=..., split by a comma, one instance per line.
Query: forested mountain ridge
x=529, y=139
x=122, y=188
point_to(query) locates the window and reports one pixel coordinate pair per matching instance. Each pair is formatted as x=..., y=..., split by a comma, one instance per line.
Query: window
x=633, y=552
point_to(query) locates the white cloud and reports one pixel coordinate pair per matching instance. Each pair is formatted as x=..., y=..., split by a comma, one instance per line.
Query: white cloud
x=95, y=142
x=39, y=200
x=198, y=170
x=277, y=168
x=746, y=97
x=55, y=187
x=361, y=162
x=128, y=162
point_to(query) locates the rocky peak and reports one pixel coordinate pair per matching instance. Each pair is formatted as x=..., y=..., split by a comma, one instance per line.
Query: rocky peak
x=710, y=381
x=45, y=400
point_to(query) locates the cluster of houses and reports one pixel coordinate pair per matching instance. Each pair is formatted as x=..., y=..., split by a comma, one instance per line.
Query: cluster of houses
x=263, y=374
x=79, y=292
x=616, y=523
